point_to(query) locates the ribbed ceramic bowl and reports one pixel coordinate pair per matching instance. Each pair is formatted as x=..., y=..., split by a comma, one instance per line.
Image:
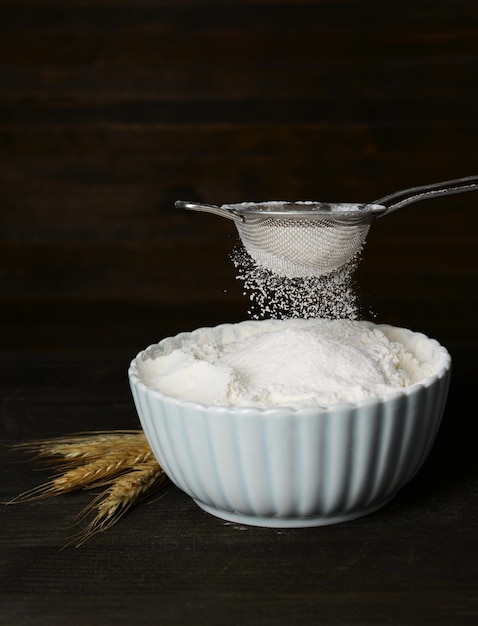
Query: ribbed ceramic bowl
x=281, y=467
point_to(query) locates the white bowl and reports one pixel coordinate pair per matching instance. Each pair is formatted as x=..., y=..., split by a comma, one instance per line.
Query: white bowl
x=285, y=467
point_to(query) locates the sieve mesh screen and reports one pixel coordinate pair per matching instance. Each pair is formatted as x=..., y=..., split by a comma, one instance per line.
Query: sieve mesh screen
x=299, y=247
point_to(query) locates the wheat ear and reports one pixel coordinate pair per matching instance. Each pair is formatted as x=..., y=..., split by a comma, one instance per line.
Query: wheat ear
x=86, y=461
x=120, y=460
x=122, y=494
x=83, y=446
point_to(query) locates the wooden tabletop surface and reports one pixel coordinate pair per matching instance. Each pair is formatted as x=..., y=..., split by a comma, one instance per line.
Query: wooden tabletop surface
x=168, y=562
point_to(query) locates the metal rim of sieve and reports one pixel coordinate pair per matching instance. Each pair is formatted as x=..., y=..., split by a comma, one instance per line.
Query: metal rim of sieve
x=345, y=212
x=302, y=210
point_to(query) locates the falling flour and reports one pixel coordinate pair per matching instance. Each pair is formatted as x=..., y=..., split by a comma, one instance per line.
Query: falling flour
x=294, y=362
x=331, y=296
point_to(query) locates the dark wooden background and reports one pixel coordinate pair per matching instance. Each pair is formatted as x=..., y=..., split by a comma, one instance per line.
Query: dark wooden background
x=110, y=111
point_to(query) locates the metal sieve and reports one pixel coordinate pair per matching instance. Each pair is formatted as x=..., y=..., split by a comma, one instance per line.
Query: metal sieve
x=301, y=239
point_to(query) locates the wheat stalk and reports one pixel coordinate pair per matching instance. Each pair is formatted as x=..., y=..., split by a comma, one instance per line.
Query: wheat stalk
x=120, y=460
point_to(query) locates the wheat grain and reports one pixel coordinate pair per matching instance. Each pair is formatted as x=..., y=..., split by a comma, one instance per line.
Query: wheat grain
x=87, y=474
x=89, y=447
x=129, y=453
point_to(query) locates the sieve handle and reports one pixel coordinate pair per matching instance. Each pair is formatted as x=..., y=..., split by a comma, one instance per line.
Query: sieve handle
x=208, y=208
x=425, y=192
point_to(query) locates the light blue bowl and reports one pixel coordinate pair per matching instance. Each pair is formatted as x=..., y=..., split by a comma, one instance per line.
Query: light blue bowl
x=285, y=467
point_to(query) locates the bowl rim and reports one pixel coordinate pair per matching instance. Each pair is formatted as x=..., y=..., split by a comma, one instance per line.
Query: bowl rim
x=442, y=371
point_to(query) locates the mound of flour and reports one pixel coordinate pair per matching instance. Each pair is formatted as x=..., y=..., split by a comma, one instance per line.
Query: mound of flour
x=294, y=363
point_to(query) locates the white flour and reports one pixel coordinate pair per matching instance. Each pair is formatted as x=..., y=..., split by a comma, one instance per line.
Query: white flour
x=273, y=296
x=295, y=363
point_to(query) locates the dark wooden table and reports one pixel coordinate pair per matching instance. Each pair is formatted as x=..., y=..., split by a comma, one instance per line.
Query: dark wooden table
x=167, y=562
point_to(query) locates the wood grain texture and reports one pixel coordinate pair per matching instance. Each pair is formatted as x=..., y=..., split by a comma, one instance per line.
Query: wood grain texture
x=110, y=111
